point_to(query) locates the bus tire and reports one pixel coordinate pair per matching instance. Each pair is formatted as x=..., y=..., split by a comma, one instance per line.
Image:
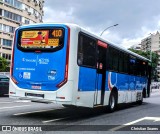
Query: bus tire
x=112, y=102
x=140, y=101
x=144, y=93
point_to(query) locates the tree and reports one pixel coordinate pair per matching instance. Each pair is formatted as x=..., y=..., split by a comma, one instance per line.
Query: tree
x=154, y=61
x=3, y=65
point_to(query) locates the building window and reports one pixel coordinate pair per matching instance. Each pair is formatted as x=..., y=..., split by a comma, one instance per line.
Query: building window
x=6, y=56
x=9, y=29
x=1, y=12
x=7, y=42
x=17, y=4
x=14, y=3
x=12, y=16
x=26, y=22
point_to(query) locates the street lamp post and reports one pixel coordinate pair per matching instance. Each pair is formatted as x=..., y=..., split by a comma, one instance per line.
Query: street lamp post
x=150, y=48
x=108, y=28
x=151, y=55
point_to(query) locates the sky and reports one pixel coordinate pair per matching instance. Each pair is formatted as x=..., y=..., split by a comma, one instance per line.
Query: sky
x=136, y=19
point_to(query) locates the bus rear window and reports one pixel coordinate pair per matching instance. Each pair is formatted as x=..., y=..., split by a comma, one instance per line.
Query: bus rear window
x=41, y=39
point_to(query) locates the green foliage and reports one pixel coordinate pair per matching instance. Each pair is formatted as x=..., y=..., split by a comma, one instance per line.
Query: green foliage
x=3, y=65
x=154, y=60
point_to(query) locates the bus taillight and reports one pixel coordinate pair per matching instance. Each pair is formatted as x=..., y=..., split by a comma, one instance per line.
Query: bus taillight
x=67, y=62
x=12, y=63
x=60, y=97
x=14, y=80
x=12, y=93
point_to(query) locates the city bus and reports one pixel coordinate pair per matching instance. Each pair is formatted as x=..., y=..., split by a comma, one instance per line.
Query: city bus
x=65, y=64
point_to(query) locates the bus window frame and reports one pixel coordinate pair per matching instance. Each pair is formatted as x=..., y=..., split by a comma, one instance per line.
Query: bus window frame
x=136, y=66
x=108, y=56
x=19, y=33
x=126, y=55
x=108, y=59
x=95, y=40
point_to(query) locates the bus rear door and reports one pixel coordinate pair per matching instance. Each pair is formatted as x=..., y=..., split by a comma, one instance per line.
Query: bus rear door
x=101, y=73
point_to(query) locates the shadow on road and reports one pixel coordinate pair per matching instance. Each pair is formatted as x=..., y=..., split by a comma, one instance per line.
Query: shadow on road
x=73, y=114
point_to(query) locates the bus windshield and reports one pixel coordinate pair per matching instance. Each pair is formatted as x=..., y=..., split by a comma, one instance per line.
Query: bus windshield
x=41, y=39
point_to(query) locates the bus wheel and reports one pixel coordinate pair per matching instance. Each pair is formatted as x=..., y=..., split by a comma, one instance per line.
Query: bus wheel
x=140, y=101
x=112, y=102
x=144, y=93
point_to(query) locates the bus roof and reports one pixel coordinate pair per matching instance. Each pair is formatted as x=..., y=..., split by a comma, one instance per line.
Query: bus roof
x=92, y=34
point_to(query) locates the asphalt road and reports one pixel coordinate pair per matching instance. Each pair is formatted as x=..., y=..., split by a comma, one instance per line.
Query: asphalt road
x=17, y=112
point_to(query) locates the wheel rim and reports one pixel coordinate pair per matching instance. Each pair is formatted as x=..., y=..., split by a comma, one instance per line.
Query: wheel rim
x=112, y=102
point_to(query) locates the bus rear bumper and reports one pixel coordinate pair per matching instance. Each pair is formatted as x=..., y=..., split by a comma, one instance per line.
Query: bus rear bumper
x=41, y=100
x=61, y=96
x=33, y=99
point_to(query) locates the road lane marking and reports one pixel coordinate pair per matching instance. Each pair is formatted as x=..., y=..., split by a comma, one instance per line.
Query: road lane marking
x=14, y=107
x=55, y=120
x=145, y=118
x=134, y=122
x=5, y=102
x=23, y=101
x=154, y=119
x=38, y=111
x=127, y=124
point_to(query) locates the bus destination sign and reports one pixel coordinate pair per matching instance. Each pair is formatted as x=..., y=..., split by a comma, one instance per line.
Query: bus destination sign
x=40, y=38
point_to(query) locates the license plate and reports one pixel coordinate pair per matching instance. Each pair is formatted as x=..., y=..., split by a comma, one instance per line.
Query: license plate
x=36, y=87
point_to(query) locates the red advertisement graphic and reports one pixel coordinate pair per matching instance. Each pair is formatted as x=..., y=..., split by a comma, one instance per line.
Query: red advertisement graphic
x=35, y=38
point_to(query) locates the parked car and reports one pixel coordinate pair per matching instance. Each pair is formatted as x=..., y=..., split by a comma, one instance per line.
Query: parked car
x=4, y=85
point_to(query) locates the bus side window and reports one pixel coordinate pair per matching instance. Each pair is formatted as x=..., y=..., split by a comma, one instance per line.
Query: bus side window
x=86, y=51
x=139, y=67
x=123, y=62
x=144, y=68
x=132, y=65
x=126, y=65
x=113, y=59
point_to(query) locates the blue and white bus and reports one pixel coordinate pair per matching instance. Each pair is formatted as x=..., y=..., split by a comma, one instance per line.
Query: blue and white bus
x=65, y=64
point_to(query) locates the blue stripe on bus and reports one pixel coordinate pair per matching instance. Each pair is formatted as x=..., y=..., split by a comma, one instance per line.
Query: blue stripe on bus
x=123, y=82
x=87, y=79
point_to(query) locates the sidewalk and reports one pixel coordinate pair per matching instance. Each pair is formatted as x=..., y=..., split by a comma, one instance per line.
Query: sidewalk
x=155, y=90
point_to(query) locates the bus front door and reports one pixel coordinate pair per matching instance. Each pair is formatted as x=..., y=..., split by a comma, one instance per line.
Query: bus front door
x=101, y=76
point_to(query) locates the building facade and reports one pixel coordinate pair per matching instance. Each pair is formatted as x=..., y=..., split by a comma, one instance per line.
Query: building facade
x=136, y=47
x=14, y=13
x=152, y=43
